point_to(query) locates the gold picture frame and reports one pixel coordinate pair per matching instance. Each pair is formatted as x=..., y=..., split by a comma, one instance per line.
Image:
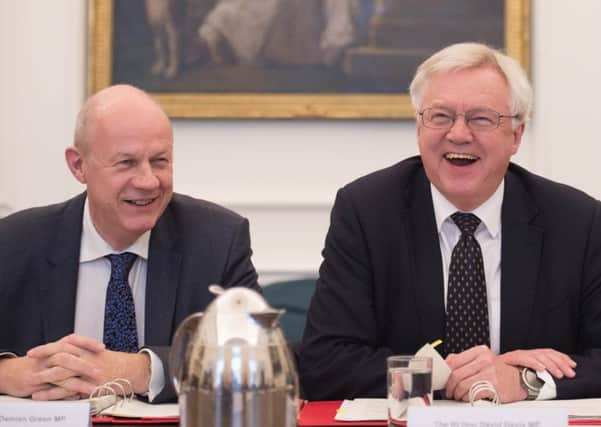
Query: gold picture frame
x=280, y=105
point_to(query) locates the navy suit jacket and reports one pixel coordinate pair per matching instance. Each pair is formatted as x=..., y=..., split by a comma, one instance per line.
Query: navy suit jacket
x=380, y=290
x=195, y=243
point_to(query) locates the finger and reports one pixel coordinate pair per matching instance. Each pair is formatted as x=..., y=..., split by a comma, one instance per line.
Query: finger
x=557, y=364
x=534, y=359
x=550, y=365
x=53, y=393
x=456, y=360
x=565, y=362
x=467, y=365
x=74, y=344
x=57, y=374
x=77, y=365
x=460, y=374
x=522, y=358
x=50, y=349
x=559, y=357
x=78, y=385
x=85, y=343
x=52, y=375
x=461, y=391
x=34, y=388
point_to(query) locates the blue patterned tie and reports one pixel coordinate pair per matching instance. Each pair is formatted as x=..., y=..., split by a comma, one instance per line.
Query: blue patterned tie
x=467, y=307
x=120, y=333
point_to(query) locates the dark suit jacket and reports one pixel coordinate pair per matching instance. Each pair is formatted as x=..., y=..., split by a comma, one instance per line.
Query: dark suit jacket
x=380, y=290
x=194, y=244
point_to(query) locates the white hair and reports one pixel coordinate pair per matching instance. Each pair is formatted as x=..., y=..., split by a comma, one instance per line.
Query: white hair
x=470, y=55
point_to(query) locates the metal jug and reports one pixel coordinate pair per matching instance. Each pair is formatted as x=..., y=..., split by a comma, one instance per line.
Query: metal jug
x=231, y=366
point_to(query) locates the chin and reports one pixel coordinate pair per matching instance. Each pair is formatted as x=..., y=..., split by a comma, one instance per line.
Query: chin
x=140, y=227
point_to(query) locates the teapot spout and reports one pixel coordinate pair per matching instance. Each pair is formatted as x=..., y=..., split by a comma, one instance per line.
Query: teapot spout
x=268, y=318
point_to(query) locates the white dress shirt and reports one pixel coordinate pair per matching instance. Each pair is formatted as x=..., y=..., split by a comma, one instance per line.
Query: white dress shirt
x=92, y=282
x=488, y=235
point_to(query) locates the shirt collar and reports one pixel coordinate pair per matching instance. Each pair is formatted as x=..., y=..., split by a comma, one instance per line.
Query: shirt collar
x=93, y=246
x=489, y=212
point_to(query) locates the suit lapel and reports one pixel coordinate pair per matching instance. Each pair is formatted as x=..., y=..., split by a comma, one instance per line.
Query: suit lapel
x=162, y=281
x=428, y=261
x=59, y=288
x=520, y=262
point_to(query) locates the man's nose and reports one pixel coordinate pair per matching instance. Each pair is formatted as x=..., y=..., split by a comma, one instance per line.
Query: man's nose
x=460, y=132
x=145, y=177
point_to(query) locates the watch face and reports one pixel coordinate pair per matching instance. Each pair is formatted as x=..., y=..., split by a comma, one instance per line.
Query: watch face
x=532, y=380
x=531, y=383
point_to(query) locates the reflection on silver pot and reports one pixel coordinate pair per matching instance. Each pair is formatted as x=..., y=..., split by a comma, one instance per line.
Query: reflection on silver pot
x=231, y=366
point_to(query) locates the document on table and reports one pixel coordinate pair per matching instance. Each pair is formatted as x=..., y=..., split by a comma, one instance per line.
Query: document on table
x=135, y=408
x=376, y=409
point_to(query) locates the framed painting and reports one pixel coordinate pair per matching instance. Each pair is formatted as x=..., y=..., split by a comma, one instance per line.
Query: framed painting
x=324, y=59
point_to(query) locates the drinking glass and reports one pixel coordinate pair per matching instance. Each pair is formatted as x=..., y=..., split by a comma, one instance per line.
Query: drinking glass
x=409, y=384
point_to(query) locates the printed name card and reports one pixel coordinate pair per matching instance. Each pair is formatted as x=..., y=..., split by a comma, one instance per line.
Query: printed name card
x=493, y=416
x=44, y=414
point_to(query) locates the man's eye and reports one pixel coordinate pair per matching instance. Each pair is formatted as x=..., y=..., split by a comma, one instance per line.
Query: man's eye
x=482, y=120
x=161, y=161
x=440, y=116
x=126, y=162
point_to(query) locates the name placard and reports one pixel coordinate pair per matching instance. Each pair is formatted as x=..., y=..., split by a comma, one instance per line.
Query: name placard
x=44, y=414
x=491, y=416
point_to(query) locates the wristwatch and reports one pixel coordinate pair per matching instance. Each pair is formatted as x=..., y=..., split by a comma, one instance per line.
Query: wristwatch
x=531, y=383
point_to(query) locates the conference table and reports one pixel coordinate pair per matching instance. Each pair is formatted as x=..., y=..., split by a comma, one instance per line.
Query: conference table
x=321, y=414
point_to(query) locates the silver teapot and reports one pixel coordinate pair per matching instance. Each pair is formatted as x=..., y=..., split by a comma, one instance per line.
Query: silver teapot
x=231, y=365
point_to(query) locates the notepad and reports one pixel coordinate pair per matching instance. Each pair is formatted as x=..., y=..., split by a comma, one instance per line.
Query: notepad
x=112, y=400
x=135, y=408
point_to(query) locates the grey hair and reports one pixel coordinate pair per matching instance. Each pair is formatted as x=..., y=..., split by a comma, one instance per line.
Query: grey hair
x=462, y=56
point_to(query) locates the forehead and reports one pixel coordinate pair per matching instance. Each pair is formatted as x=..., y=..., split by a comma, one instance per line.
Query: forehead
x=466, y=89
x=132, y=125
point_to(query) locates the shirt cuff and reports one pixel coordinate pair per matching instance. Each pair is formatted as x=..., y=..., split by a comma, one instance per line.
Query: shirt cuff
x=157, y=375
x=7, y=355
x=549, y=389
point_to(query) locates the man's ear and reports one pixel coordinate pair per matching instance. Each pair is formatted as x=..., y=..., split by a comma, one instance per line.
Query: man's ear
x=517, y=137
x=75, y=162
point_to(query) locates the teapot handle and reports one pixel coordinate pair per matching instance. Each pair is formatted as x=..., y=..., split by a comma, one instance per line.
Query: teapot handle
x=179, y=347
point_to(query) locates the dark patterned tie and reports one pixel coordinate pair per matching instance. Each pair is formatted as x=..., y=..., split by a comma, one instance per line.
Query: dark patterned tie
x=467, y=308
x=120, y=333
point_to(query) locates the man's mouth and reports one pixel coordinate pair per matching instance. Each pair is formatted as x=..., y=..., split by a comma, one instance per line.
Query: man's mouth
x=141, y=202
x=461, y=159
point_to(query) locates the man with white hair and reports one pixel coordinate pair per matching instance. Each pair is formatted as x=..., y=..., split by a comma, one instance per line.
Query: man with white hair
x=462, y=245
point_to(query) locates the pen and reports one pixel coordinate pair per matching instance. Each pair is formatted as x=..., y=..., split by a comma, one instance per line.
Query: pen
x=436, y=343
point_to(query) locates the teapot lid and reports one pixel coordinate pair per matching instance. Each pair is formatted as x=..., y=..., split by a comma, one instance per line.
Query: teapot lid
x=238, y=313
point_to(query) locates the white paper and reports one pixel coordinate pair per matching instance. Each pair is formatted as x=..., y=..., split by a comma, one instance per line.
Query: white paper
x=362, y=410
x=138, y=409
x=440, y=369
x=494, y=416
x=376, y=409
x=124, y=408
x=24, y=412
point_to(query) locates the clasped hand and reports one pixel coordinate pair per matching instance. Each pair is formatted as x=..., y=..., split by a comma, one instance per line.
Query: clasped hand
x=502, y=371
x=71, y=368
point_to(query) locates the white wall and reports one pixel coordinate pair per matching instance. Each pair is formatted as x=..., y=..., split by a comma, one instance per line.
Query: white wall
x=283, y=175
